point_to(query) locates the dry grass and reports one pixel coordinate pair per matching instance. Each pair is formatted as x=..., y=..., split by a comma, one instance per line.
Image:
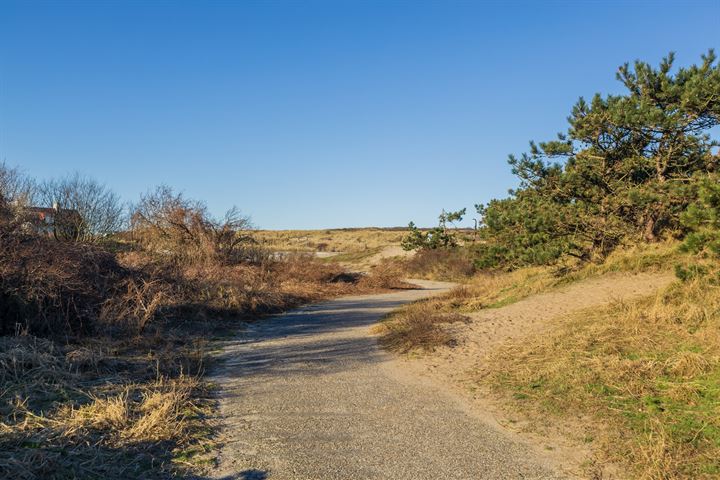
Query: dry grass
x=653, y=257
x=422, y=327
x=440, y=264
x=497, y=289
x=645, y=375
x=81, y=412
x=348, y=240
x=384, y=276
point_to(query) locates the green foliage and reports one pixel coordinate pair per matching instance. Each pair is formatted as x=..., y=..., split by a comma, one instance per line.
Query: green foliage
x=702, y=219
x=627, y=168
x=435, y=238
x=451, y=217
x=520, y=231
x=432, y=239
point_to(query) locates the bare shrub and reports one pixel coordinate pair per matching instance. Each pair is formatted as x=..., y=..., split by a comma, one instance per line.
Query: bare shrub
x=16, y=189
x=167, y=222
x=49, y=287
x=386, y=275
x=135, y=304
x=60, y=288
x=306, y=267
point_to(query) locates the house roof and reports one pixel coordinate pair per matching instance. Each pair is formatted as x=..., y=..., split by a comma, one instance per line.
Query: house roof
x=42, y=213
x=40, y=210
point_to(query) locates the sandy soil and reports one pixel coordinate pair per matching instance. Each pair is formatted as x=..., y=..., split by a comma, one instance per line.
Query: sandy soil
x=490, y=328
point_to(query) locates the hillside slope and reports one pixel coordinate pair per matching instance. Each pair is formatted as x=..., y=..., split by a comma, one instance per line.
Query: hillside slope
x=474, y=363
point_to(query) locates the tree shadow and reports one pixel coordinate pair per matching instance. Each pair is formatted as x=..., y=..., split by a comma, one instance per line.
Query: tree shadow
x=309, y=349
x=250, y=474
x=253, y=474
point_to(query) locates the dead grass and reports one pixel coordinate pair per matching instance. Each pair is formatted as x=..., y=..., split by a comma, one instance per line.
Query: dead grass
x=349, y=240
x=497, y=289
x=117, y=416
x=440, y=264
x=653, y=257
x=422, y=327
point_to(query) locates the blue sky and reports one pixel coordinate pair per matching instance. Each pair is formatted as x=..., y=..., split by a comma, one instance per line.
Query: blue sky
x=315, y=114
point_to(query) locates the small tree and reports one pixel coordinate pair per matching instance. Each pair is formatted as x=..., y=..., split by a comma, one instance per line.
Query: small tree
x=450, y=217
x=87, y=210
x=434, y=238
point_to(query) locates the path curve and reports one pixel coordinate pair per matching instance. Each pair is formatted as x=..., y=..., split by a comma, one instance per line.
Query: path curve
x=309, y=395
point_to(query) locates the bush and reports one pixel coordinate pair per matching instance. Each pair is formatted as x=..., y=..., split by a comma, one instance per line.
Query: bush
x=702, y=219
x=57, y=288
x=167, y=222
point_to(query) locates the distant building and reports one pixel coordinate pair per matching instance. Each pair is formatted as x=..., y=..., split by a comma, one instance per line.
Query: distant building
x=55, y=222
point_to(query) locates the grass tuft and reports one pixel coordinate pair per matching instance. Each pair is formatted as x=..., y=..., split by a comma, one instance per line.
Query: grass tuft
x=422, y=328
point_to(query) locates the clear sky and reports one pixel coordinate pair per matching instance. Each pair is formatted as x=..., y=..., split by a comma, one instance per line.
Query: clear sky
x=310, y=114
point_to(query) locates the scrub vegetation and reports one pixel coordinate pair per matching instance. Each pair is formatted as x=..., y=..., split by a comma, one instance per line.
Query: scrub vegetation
x=106, y=335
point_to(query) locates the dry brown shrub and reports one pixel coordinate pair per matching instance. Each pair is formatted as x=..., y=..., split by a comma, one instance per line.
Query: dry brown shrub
x=55, y=288
x=166, y=222
x=133, y=306
x=298, y=267
x=384, y=276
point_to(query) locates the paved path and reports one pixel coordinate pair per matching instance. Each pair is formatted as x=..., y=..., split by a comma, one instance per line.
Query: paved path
x=309, y=395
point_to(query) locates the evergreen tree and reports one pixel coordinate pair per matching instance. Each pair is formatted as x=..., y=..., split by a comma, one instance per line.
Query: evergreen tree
x=627, y=167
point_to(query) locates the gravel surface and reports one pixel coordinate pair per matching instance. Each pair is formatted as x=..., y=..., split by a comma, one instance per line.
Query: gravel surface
x=309, y=395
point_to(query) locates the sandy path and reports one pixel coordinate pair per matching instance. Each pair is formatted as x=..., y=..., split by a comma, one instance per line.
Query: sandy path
x=309, y=395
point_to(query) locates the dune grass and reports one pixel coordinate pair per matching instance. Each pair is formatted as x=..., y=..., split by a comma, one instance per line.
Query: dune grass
x=347, y=240
x=645, y=373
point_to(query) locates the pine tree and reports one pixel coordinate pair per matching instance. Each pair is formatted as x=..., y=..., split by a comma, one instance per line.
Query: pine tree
x=626, y=168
